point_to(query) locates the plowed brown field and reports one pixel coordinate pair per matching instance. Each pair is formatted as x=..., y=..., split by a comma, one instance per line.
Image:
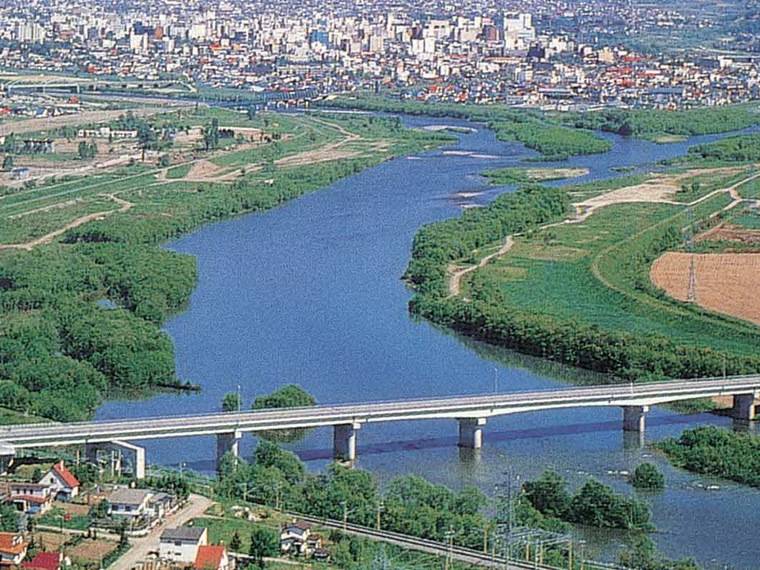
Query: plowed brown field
x=725, y=282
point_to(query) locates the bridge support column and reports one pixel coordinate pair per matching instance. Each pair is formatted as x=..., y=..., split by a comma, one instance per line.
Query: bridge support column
x=118, y=451
x=634, y=418
x=471, y=432
x=344, y=441
x=744, y=407
x=7, y=454
x=227, y=443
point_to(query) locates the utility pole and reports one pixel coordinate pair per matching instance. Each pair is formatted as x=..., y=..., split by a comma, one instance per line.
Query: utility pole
x=380, y=508
x=345, y=515
x=450, y=541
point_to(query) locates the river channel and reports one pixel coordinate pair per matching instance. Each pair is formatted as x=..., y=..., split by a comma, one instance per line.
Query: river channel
x=309, y=293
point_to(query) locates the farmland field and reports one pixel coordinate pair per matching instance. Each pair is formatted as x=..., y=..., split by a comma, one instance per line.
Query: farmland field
x=723, y=282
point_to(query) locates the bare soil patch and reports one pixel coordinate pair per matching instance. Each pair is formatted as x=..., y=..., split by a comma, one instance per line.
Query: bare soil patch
x=50, y=541
x=657, y=190
x=202, y=169
x=727, y=232
x=725, y=282
x=74, y=509
x=92, y=550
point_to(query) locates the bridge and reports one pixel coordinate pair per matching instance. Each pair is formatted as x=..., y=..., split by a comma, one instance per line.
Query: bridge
x=471, y=412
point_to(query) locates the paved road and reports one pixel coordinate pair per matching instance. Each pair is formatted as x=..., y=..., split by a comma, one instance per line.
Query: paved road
x=195, y=508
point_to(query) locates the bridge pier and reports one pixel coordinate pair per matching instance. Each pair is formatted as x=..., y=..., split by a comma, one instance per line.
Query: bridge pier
x=344, y=441
x=634, y=418
x=744, y=407
x=227, y=443
x=471, y=432
x=119, y=451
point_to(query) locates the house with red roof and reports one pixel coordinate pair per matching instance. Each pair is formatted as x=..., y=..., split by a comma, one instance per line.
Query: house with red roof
x=45, y=561
x=212, y=558
x=12, y=549
x=62, y=481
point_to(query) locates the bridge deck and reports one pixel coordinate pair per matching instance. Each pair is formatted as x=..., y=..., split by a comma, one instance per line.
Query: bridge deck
x=461, y=407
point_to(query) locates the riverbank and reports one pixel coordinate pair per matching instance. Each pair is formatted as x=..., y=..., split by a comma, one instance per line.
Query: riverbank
x=51, y=294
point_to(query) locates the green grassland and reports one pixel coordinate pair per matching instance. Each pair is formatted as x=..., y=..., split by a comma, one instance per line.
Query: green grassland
x=553, y=273
x=509, y=176
x=580, y=293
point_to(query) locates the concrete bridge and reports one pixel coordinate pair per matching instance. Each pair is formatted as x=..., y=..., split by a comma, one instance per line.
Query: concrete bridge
x=471, y=412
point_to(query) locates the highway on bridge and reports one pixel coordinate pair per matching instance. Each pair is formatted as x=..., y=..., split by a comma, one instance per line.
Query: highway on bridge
x=462, y=408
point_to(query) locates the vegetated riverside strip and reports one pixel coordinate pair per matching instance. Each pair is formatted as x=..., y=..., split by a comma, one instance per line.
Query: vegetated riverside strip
x=532, y=128
x=558, y=136
x=662, y=125
x=719, y=452
x=579, y=293
x=80, y=317
x=413, y=506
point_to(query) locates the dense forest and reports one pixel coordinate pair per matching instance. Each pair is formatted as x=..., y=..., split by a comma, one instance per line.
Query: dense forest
x=411, y=505
x=62, y=348
x=741, y=148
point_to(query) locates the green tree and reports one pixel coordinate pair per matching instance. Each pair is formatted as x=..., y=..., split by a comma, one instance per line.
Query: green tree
x=83, y=150
x=548, y=495
x=264, y=542
x=648, y=478
x=231, y=402
x=290, y=396
x=598, y=505
x=9, y=519
x=269, y=454
x=7, y=163
x=211, y=135
x=235, y=542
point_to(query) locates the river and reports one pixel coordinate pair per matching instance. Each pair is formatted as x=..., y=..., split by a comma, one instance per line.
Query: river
x=309, y=293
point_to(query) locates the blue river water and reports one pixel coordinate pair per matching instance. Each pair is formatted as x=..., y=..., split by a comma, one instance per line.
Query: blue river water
x=310, y=294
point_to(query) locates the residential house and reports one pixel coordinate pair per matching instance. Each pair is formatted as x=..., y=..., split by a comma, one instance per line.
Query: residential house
x=181, y=544
x=45, y=561
x=31, y=498
x=65, y=486
x=294, y=537
x=12, y=549
x=161, y=504
x=212, y=558
x=321, y=555
x=129, y=504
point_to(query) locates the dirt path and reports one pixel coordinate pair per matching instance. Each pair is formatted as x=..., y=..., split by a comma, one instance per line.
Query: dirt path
x=47, y=238
x=455, y=277
x=142, y=546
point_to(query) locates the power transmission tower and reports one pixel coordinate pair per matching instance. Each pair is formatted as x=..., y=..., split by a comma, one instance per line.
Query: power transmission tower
x=691, y=291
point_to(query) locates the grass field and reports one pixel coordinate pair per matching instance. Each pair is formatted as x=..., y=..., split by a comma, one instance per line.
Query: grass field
x=596, y=272
x=30, y=213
